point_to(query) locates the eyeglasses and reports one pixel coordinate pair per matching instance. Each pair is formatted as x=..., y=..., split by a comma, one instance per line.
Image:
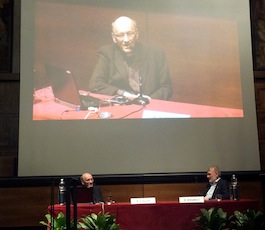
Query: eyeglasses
x=129, y=35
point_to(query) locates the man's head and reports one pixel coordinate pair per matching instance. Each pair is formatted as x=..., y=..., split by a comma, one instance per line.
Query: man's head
x=213, y=173
x=125, y=34
x=87, y=180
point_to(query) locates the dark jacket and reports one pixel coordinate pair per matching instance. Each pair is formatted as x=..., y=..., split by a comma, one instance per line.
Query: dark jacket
x=110, y=72
x=97, y=195
x=222, y=188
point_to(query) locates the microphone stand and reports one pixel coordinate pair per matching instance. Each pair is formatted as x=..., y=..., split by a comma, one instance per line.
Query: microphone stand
x=140, y=100
x=52, y=204
x=74, y=202
x=68, y=203
x=70, y=189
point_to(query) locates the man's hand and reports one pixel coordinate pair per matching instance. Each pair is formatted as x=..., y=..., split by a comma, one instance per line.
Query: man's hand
x=132, y=96
x=129, y=95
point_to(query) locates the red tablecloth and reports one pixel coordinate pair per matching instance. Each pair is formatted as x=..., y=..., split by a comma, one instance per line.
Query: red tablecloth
x=159, y=216
x=46, y=108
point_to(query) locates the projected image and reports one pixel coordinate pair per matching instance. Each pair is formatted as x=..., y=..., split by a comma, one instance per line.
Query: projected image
x=167, y=89
x=133, y=61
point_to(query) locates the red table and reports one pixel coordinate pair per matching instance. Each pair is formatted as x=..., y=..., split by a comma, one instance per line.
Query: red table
x=159, y=216
x=46, y=108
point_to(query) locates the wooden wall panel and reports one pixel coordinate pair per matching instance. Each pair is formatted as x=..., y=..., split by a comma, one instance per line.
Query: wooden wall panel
x=7, y=166
x=122, y=193
x=169, y=192
x=260, y=108
x=9, y=112
x=23, y=206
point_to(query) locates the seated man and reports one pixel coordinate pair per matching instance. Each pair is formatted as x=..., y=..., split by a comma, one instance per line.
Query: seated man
x=216, y=185
x=129, y=68
x=87, y=180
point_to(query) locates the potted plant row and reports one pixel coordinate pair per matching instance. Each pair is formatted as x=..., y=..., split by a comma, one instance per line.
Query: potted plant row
x=100, y=221
x=217, y=219
x=212, y=219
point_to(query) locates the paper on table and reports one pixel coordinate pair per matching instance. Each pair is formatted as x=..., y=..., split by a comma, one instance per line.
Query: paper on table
x=158, y=114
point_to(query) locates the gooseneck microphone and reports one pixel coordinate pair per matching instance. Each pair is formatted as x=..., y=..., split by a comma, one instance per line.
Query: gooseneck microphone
x=110, y=200
x=140, y=100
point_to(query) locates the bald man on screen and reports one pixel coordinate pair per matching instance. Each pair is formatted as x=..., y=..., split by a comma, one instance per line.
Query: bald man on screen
x=126, y=64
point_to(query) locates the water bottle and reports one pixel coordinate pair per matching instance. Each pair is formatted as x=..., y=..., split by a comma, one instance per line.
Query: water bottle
x=233, y=188
x=62, y=190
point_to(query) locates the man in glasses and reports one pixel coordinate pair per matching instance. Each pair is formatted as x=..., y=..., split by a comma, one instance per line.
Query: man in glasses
x=129, y=68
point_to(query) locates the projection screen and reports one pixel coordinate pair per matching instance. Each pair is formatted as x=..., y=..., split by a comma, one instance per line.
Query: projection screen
x=209, y=119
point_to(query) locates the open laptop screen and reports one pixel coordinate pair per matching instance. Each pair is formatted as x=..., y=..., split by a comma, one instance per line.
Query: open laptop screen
x=83, y=194
x=63, y=86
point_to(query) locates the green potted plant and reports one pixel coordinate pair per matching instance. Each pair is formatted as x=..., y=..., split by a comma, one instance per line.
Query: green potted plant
x=98, y=221
x=59, y=223
x=248, y=220
x=212, y=219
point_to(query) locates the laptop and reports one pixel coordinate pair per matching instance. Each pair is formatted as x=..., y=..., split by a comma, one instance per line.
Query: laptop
x=65, y=90
x=83, y=194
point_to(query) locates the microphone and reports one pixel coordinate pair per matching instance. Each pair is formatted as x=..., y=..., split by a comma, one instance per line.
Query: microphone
x=140, y=100
x=110, y=201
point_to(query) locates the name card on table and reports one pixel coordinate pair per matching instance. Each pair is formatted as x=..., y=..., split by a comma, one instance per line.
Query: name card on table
x=191, y=199
x=145, y=200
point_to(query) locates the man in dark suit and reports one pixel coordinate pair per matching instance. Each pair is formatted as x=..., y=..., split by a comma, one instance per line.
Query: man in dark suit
x=125, y=65
x=216, y=185
x=88, y=181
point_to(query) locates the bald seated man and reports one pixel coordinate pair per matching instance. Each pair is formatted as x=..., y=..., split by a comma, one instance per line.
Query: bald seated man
x=127, y=63
x=216, y=185
x=87, y=180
